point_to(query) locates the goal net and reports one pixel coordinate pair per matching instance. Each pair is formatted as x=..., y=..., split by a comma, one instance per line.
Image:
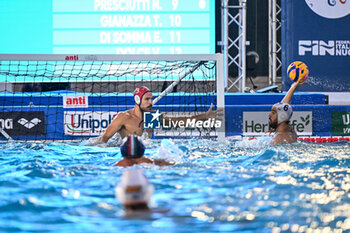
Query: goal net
x=74, y=97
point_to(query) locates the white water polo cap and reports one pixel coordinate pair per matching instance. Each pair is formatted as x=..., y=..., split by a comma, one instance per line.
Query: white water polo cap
x=284, y=112
x=134, y=188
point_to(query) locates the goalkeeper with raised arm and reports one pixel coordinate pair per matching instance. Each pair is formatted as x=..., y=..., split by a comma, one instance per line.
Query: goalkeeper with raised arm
x=131, y=121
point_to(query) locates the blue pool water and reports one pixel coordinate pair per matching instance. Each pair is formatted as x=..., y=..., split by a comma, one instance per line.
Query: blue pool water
x=236, y=186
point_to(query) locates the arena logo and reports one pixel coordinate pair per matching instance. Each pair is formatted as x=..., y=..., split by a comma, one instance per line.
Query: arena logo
x=6, y=123
x=29, y=124
x=256, y=123
x=330, y=9
x=23, y=123
x=78, y=123
x=323, y=48
x=152, y=120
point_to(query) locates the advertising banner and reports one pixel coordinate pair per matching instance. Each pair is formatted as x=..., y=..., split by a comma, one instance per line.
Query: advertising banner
x=81, y=123
x=257, y=123
x=317, y=33
x=75, y=101
x=24, y=123
x=341, y=123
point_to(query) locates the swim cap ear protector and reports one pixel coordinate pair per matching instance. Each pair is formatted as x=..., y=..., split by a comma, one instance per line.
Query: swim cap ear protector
x=139, y=93
x=284, y=112
x=134, y=188
x=132, y=147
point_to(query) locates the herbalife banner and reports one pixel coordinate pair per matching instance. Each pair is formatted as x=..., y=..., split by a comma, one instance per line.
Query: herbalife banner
x=256, y=123
x=317, y=32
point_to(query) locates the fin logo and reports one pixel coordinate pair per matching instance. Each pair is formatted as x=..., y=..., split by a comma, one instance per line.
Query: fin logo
x=316, y=47
x=29, y=124
x=330, y=9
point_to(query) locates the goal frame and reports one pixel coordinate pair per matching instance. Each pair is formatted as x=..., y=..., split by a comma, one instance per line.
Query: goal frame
x=218, y=58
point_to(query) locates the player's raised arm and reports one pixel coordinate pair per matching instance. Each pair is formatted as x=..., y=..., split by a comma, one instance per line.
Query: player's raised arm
x=297, y=72
x=282, y=112
x=288, y=97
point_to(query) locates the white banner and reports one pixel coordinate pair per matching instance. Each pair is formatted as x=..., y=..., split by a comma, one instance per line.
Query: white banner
x=257, y=123
x=81, y=123
x=75, y=101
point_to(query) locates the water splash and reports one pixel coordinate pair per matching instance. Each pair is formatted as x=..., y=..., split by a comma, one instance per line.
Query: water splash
x=259, y=142
x=169, y=151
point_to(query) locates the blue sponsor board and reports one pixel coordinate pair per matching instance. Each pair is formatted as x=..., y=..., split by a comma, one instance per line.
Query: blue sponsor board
x=246, y=113
x=124, y=99
x=321, y=117
x=317, y=33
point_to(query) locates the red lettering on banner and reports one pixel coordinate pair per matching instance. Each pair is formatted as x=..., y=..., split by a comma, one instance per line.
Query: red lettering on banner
x=78, y=100
x=72, y=58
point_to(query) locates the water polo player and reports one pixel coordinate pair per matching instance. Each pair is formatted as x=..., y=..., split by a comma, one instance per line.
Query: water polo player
x=130, y=121
x=279, y=118
x=133, y=151
x=135, y=192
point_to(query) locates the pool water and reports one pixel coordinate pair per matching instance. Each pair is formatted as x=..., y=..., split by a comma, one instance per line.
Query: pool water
x=231, y=186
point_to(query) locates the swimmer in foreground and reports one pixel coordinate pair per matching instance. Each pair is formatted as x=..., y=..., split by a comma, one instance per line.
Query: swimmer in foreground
x=133, y=150
x=279, y=119
x=131, y=121
x=134, y=192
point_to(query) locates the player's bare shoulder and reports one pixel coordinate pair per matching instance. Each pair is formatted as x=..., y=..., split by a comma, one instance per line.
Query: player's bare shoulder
x=284, y=138
x=123, y=116
x=119, y=117
x=128, y=114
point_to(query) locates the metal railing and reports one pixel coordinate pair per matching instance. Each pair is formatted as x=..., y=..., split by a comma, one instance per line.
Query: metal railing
x=234, y=49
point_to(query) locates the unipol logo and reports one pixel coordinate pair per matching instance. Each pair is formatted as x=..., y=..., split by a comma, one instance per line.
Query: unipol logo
x=29, y=124
x=316, y=47
x=330, y=9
